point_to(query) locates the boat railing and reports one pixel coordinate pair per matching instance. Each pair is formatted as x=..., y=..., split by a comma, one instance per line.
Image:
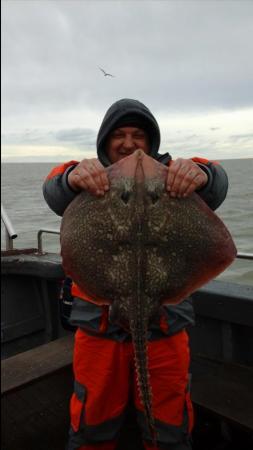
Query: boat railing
x=248, y=256
x=11, y=234
x=39, y=237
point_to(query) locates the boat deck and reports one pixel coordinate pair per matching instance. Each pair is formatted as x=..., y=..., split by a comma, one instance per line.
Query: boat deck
x=42, y=380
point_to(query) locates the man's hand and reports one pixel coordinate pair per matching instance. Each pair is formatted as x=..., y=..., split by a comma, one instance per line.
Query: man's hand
x=184, y=177
x=89, y=175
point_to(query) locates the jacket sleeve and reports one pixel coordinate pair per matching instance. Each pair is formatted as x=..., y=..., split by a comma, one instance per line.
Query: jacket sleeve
x=215, y=191
x=56, y=190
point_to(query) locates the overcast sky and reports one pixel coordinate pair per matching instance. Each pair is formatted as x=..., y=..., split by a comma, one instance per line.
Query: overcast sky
x=189, y=61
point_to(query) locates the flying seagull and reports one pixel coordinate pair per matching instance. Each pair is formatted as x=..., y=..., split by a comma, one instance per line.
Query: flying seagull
x=106, y=74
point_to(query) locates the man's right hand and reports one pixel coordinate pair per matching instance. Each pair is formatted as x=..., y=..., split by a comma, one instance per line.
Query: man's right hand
x=89, y=175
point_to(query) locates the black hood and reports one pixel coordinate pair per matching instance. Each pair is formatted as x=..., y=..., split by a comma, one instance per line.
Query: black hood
x=115, y=115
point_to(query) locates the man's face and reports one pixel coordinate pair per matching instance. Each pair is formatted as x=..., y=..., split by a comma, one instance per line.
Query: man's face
x=124, y=141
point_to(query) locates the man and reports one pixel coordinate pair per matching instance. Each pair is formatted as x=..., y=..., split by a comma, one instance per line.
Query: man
x=103, y=354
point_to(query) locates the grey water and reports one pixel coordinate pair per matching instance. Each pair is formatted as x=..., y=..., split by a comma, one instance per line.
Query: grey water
x=23, y=200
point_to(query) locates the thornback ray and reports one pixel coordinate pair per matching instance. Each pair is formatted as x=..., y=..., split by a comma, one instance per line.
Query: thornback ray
x=136, y=249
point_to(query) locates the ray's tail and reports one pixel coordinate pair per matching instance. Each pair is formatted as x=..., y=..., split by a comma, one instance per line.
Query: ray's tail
x=138, y=317
x=139, y=333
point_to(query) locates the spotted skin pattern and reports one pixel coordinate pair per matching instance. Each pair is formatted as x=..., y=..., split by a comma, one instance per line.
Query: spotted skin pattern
x=136, y=249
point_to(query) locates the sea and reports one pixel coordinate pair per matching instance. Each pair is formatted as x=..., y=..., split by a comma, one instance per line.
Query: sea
x=28, y=212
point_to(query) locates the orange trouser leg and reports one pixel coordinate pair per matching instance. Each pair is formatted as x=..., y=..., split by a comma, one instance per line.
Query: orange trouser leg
x=102, y=372
x=102, y=366
x=168, y=361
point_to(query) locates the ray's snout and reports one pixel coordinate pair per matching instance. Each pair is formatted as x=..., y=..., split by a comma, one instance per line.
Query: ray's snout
x=138, y=166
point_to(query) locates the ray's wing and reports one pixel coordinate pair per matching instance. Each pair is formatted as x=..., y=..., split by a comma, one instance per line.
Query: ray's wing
x=201, y=248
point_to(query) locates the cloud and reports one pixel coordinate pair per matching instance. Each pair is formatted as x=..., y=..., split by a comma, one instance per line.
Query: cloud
x=176, y=57
x=75, y=136
x=183, y=135
x=173, y=58
x=81, y=136
x=239, y=137
x=45, y=153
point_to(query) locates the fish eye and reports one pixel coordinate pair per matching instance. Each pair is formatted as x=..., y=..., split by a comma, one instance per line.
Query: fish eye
x=125, y=196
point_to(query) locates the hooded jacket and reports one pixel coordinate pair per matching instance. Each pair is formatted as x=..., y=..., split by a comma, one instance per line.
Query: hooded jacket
x=129, y=112
x=58, y=194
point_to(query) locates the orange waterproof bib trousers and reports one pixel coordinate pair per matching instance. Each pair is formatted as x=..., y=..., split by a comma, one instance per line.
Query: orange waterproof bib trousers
x=104, y=374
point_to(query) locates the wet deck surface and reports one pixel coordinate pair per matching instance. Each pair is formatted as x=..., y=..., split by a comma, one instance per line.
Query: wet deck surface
x=27, y=367
x=34, y=433
x=38, y=418
x=225, y=389
x=35, y=403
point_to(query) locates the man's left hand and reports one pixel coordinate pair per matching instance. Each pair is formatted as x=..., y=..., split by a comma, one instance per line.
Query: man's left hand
x=184, y=177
